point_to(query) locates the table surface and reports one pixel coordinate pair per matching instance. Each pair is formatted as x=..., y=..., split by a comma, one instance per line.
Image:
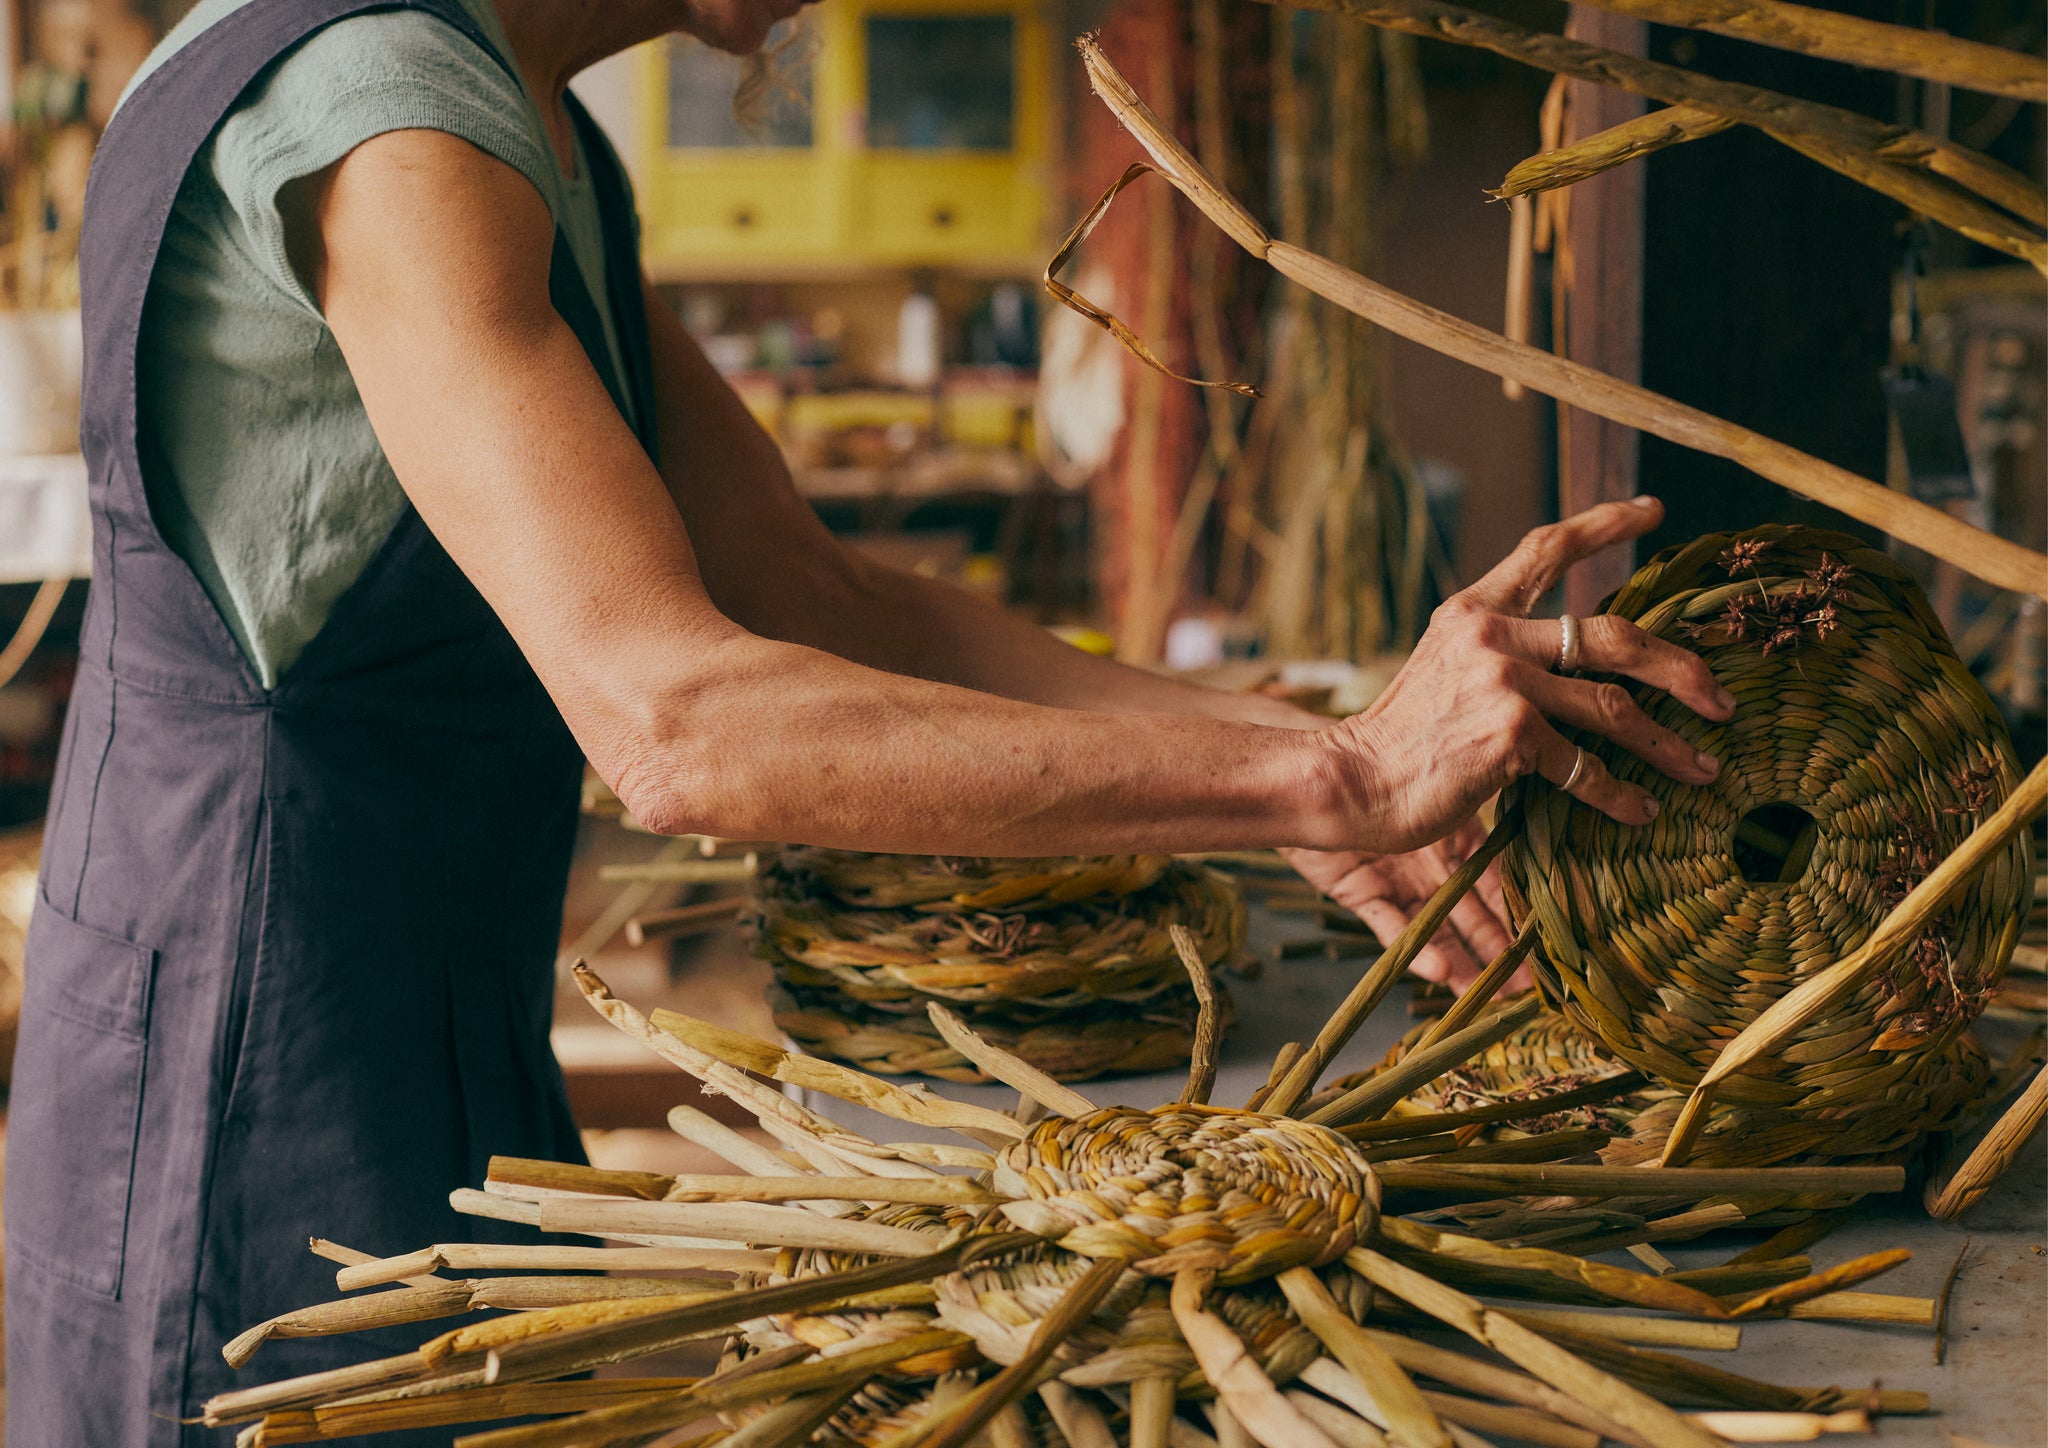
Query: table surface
x=1992, y=1390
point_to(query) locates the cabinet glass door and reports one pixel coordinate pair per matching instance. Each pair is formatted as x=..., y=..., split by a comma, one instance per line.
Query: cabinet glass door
x=941, y=82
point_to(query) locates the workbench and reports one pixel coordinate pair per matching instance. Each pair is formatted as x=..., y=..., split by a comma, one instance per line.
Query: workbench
x=1992, y=1391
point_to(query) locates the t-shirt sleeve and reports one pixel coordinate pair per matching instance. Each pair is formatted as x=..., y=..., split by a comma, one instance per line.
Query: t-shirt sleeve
x=356, y=79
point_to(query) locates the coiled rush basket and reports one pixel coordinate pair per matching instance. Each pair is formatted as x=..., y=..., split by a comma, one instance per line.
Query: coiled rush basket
x=1861, y=753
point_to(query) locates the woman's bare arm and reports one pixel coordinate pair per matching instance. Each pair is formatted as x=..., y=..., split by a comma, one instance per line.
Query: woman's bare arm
x=430, y=260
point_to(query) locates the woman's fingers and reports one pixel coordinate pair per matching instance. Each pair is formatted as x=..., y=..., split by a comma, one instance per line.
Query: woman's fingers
x=1611, y=645
x=1607, y=710
x=1586, y=779
x=1540, y=559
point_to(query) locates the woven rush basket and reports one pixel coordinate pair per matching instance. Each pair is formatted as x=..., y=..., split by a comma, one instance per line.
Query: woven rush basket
x=1153, y=1035
x=1063, y=958
x=953, y=883
x=1860, y=754
x=1548, y=1057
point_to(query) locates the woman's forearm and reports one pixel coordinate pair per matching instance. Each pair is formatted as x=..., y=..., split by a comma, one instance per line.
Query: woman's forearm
x=897, y=621
x=767, y=740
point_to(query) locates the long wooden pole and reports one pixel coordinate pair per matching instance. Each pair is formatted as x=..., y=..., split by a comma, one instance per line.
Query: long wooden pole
x=1995, y=560
x=1922, y=171
x=1925, y=54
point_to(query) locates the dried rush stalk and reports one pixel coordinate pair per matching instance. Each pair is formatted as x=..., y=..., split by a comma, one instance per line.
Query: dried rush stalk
x=1980, y=554
x=1121, y=1274
x=1955, y=186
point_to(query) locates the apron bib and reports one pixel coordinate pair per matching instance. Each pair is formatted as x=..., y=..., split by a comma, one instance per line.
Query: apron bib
x=291, y=971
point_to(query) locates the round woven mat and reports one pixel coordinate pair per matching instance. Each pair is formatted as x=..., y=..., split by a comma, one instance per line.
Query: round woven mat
x=1068, y=1046
x=1191, y=1186
x=1861, y=753
x=1074, y=956
x=950, y=882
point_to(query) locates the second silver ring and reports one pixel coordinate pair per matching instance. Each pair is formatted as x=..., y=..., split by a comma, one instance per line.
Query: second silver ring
x=1569, y=634
x=1578, y=768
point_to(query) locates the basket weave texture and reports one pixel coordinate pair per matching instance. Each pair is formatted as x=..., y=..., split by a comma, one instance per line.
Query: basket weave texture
x=1664, y=942
x=1076, y=972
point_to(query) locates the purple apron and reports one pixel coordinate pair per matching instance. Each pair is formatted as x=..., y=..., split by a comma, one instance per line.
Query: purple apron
x=290, y=974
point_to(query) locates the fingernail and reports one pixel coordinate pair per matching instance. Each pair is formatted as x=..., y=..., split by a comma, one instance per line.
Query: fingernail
x=1706, y=762
x=1649, y=809
x=1644, y=500
x=1725, y=699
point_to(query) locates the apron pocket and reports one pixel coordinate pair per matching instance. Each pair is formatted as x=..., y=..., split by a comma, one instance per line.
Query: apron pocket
x=77, y=1100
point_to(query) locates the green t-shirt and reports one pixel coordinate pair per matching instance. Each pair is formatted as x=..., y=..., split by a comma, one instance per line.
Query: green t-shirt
x=266, y=475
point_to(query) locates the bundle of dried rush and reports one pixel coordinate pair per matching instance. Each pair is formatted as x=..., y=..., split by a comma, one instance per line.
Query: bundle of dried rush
x=1186, y=1275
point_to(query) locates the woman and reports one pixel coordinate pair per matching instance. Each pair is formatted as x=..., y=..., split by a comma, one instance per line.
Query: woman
x=408, y=497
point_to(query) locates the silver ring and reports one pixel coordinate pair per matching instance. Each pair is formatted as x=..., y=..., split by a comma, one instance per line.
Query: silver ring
x=1568, y=633
x=1578, y=768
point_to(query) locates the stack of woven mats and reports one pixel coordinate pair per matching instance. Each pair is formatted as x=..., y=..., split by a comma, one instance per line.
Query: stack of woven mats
x=1067, y=963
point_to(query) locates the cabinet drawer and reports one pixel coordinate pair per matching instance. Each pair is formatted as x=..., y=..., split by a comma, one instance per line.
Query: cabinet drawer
x=742, y=206
x=925, y=208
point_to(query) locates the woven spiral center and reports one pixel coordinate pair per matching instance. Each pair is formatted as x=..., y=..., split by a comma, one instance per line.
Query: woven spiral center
x=1192, y=1186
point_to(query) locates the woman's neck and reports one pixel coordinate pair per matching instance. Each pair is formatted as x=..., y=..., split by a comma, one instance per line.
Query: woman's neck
x=552, y=40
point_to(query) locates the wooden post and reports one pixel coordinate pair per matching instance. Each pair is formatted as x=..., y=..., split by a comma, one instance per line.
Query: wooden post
x=1604, y=311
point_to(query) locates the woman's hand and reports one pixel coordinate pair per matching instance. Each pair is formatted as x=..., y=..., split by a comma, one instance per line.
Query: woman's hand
x=1385, y=891
x=1473, y=710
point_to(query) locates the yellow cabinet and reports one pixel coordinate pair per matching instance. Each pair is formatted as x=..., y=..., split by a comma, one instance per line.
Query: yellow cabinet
x=915, y=133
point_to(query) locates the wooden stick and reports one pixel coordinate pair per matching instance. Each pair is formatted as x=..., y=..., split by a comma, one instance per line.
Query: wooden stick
x=767, y=1104
x=1831, y=35
x=1739, y=1427
x=750, y=1157
x=781, y=1226
x=1959, y=1187
x=387, y=1414
x=1897, y=152
x=491, y=1256
x=576, y=1350
x=1865, y=1307
x=1477, y=996
x=1208, y=1040
x=693, y=919
x=1820, y=992
x=395, y=1308
x=349, y=1257
x=1529, y=1425
x=914, y=1104
x=1475, y=1376
x=1604, y=150
x=715, y=1394
x=1617, y=1284
x=1398, y=1128
x=1634, y=1328
x=1349, y=1429
x=1371, y=1097
x=681, y=872
x=944, y=1191
x=1982, y=555
x=1640, y=1181
x=1608, y=1396
x=1393, y=963
x=1152, y=1401
x=1409, y=1417
x=1948, y=1287
x=1847, y=1274
x=1008, y=1069
x=1239, y=1381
